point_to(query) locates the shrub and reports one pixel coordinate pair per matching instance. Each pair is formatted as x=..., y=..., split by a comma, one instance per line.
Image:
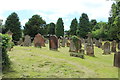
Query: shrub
x=4, y=44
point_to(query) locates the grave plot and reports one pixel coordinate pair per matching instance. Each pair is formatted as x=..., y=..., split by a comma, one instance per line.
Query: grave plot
x=75, y=48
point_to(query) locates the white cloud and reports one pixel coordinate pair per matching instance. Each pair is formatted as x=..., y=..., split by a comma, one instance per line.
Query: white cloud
x=24, y=21
x=61, y=8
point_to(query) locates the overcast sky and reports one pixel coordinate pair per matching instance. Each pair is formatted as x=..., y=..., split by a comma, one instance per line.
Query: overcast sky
x=51, y=10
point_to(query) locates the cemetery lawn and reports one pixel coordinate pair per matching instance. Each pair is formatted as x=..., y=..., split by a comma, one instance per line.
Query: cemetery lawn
x=31, y=62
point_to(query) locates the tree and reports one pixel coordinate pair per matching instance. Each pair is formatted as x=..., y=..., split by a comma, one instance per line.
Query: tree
x=84, y=26
x=59, y=28
x=51, y=28
x=114, y=21
x=73, y=26
x=13, y=24
x=93, y=22
x=34, y=26
x=100, y=30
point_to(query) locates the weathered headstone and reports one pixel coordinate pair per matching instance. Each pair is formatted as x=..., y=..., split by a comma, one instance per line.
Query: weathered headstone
x=117, y=59
x=82, y=40
x=75, y=48
x=89, y=39
x=72, y=46
x=89, y=45
x=90, y=50
x=113, y=46
x=106, y=48
x=99, y=44
x=63, y=42
x=39, y=41
x=27, y=40
x=53, y=43
x=20, y=42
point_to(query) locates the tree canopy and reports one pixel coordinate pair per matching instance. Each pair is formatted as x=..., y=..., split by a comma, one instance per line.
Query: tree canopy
x=34, y=26
x=13, y=24
x=73, y=27
x=59, y=28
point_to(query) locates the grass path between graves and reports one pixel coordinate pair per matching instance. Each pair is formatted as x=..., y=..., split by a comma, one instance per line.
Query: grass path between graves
x=31, y=62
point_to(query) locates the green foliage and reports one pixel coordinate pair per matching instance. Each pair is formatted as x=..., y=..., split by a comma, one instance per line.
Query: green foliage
x=73, y=27
x=100, y=31
x=93, y=22
x=59, y=28
x=51, y=28
x=4, y=44
x=84, y=26
x=114, y=22
x=34, y=26
x=2, y=29
x=12, y=23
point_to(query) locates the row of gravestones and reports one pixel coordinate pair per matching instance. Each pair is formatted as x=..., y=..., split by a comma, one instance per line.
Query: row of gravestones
x=54, y=44
x=38, y=41
x=89, y=48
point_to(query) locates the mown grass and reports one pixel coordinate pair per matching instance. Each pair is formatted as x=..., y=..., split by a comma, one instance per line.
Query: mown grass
x=44, y=63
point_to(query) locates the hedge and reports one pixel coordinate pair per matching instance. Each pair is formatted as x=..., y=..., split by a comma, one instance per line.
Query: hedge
x=4, y=45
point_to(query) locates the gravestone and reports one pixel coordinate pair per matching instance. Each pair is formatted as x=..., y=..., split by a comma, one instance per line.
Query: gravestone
x=82, y=40
x=20, y=42
x=53, y=43
x=63, y=42
x=113, y=46
x=85, y=45
x=119, y=45
x=106, y=48
x=59, y=44
x=68, y=43
x=75, y=49
x=100, y=43
x=39, y=41
x=27, y=40
x=94, y=40
x=72, y=46
x=89, y=45
x=117, y=59
x=90, y=50
x=46, y=41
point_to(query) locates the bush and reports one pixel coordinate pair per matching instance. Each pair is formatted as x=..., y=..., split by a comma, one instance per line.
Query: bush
x=4, y=44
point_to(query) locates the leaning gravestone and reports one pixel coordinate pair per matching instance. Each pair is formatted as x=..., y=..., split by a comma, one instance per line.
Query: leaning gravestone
x=117, y=59
x=53, y=43
x=27, y=40
x=113, y=46
x=89, y=45
x=39, y=41
x=106, y=48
